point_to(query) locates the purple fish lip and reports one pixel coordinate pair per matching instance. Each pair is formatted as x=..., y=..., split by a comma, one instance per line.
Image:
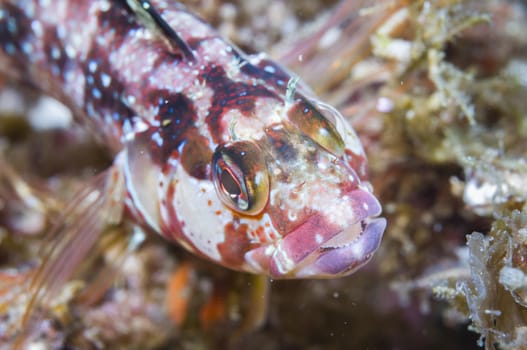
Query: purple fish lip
x=318, y=249
x=337, y=260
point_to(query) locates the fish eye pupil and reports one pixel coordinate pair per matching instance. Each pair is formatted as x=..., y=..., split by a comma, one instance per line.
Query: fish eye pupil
x=229, y=184
x=240, y=177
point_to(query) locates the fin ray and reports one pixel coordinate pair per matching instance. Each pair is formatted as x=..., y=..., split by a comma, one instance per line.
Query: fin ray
x=105, y=277
x=75, y=235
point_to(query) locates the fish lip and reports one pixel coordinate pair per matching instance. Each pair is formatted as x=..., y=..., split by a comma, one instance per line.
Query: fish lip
x=340, y=252
x=342, y=259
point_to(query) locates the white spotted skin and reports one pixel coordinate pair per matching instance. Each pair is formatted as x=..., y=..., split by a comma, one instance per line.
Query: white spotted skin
x=203, y=223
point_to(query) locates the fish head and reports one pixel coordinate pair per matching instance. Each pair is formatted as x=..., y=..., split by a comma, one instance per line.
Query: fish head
x=282, y=190
x=298, y=192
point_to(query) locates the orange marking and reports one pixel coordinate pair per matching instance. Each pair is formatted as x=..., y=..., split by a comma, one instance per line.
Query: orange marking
x=260, y=233
x=215, y=310
x=179, y=291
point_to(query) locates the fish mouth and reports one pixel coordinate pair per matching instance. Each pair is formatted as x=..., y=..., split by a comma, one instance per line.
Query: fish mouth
x=319, y=249
x=345, y=253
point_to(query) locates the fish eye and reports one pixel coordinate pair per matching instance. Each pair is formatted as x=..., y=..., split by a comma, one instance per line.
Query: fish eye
x=319, y=123
x=240, y=176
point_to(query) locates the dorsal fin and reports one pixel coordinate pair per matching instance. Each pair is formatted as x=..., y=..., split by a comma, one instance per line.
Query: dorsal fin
x=155, y=22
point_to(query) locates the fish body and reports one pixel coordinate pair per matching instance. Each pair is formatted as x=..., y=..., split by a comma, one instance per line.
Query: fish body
x=222, y=152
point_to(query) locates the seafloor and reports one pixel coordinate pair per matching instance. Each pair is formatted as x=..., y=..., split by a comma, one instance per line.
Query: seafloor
x=437, y=91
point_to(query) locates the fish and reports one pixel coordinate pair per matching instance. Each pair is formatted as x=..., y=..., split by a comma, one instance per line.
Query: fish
x=227, y=154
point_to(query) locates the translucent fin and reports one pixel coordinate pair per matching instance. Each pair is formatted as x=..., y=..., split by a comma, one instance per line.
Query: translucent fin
x=103, y=280
x=74, y=236
x=345, y=34
x=142, y=176
x=17, y=194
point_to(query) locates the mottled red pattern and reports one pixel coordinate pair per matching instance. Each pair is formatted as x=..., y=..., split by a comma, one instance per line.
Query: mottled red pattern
x=56, y=53
x=118, y=19
x=196, y=156
x=236, y=244
x=178, y=117
x=230, y=95
x=14, y=31
x=270, y=72
x=100, y=100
